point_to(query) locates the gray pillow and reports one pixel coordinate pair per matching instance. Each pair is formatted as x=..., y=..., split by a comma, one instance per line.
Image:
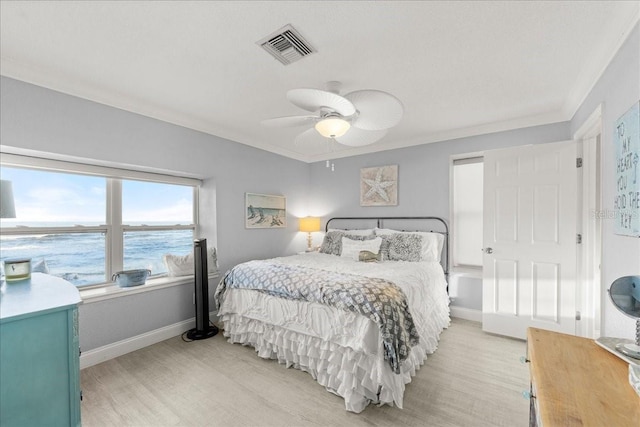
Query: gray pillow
x=402, y=247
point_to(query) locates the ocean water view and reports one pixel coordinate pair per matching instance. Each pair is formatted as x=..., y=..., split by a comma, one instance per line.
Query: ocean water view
x=80, y=257
x=57, y=219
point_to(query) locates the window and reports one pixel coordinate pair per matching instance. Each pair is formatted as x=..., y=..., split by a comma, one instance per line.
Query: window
x=152, y=227
x=83, y=223
x=467, y=211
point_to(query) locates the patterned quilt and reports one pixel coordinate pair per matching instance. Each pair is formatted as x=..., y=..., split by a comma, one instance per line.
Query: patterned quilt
x=380, y=300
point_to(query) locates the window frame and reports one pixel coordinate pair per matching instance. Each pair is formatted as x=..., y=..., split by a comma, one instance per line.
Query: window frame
x=477, y=157
x=113, y=229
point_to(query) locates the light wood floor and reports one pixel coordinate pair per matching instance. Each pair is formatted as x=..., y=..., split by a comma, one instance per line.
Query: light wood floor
x=473, y=379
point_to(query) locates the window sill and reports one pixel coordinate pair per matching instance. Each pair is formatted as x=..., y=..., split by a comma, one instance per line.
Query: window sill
x=110, y=290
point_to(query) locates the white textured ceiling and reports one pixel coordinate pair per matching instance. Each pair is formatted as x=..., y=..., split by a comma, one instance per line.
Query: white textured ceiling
x=460, y=68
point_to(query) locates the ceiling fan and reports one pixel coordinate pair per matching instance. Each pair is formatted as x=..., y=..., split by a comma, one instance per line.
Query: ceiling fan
x=358, y=118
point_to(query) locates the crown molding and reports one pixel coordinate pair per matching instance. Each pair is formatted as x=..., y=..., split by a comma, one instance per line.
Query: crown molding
x=80, y=88
x=489, y=128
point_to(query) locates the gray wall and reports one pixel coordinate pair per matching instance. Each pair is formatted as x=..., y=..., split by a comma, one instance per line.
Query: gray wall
x=423, y=183
x=423, y=173
x=35, y=118
x=617, y=90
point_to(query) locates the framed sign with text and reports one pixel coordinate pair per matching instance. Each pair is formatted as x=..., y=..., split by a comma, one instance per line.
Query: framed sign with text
x=626, y=140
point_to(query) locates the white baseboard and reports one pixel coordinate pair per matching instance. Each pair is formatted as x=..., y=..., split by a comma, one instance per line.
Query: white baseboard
x=119, y=348
x=466, y=313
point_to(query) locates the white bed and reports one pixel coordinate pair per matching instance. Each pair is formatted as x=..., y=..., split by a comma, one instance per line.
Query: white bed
x=342, y=350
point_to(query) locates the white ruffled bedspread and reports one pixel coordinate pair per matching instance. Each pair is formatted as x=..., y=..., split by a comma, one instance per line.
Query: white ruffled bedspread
x=342, y=350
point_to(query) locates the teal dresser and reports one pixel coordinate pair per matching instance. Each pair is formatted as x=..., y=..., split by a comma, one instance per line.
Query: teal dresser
x=39, y=353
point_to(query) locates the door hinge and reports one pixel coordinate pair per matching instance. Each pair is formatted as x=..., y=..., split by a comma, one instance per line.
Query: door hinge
x=579, y=162
x=578, y=238
x=578, y=315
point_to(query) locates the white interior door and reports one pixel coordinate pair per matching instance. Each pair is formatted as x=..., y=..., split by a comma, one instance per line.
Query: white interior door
x=530, y=215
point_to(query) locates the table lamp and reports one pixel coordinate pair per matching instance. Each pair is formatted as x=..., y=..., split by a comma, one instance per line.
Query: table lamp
x=309, y=225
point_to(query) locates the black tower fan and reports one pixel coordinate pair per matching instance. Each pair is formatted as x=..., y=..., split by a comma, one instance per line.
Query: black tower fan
x=203, y=328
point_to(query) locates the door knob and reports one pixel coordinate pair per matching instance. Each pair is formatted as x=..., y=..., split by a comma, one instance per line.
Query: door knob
x=488, y=250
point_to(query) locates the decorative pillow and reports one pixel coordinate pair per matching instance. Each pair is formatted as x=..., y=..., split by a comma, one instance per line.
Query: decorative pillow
x=351, y=248
x=432, y=243
x=368, y=256
x=332, y=242
x=405, y=247
x=182, y=265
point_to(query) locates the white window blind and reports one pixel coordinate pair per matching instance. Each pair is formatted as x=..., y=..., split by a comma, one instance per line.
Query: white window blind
x=467, y=211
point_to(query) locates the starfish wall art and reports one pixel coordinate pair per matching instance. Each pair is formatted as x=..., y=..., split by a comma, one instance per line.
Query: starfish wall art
x=379, y=186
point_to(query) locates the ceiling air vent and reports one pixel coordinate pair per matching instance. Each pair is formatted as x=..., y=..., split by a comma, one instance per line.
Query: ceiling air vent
x=286, y=45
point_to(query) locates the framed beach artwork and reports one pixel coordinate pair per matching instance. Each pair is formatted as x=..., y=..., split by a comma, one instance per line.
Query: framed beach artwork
x=379, y=186
x=265, y=211
x=627, y=180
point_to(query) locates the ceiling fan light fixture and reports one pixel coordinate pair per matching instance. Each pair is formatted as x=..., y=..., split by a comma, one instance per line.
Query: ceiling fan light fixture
x=332, y=127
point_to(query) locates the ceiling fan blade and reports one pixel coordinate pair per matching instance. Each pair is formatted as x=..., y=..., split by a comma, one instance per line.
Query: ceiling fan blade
x=357, y=137
x=377, y=109
x=289, y=121
x=311, y=139
x=315, y=99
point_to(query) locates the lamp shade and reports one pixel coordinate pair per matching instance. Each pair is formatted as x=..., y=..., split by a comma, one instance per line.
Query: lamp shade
x=7, y=207
x=309, y=224
x=332, y=127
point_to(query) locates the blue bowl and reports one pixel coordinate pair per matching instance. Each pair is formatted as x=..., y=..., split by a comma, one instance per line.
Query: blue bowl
x=129, y=278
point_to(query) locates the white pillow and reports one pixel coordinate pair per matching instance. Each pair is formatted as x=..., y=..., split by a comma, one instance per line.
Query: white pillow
x=366, y=232
x=182, y=265
x=432, y=243
x=40, y=266
x=385, y=231
x=351, y=248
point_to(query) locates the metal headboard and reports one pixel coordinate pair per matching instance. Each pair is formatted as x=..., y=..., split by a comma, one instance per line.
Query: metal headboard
x=379, y=221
